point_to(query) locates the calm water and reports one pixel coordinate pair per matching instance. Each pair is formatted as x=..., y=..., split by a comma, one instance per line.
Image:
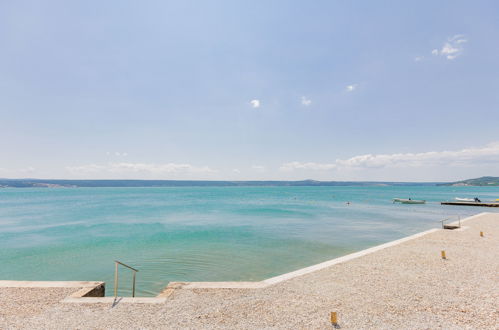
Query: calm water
x=205, y=234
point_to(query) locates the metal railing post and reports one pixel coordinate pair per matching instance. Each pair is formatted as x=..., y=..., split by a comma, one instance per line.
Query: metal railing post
x=116, y=278
x=133, y=287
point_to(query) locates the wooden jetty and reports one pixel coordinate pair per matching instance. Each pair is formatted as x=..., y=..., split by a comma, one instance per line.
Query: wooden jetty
x=491, y=204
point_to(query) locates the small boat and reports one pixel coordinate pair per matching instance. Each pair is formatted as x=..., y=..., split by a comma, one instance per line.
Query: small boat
x=408, y=201
x=464, y=199
x=413, y=201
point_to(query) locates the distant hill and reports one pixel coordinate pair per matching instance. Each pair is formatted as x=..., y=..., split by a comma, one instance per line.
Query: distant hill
x=483, y=181
x=39, y=183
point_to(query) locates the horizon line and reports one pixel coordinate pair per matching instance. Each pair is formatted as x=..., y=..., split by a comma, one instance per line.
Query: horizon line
x=204, y=180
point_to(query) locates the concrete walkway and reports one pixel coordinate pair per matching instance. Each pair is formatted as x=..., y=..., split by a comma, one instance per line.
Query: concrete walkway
x=404, y=286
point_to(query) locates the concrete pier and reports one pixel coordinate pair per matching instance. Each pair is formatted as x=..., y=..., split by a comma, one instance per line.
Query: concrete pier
x=493, y=204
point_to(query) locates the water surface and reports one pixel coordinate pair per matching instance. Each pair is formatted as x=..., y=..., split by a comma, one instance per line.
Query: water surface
x=205, y=233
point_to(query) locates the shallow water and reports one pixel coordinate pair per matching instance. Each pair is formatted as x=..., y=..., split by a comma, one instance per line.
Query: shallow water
x=205, y=233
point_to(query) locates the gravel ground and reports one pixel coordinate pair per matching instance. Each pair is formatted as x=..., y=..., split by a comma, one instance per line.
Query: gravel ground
x=407, y=286
x=19, y=304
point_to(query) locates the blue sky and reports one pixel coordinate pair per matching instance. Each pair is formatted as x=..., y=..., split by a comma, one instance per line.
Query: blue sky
x=327, y=90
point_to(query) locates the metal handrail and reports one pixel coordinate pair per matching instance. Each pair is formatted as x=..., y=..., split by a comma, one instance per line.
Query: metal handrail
x=116, y=278
x=451, y=218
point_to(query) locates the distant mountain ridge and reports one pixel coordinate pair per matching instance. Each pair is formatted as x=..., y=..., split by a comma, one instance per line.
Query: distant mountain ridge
x=40, y=183
x=482, y=181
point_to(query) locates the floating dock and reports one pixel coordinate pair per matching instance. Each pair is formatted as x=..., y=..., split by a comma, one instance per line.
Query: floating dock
x=491, y=204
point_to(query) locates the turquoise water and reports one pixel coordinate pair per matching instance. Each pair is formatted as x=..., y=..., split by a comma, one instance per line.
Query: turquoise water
x=205, y=234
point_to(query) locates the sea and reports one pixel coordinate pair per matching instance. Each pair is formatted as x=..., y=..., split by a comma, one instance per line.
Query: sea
x=206, y=233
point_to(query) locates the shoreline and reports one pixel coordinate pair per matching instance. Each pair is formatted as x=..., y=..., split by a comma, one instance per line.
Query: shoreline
x=400, y=284
x=175, y=285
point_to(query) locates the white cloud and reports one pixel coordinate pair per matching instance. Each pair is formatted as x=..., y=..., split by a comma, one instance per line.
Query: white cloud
x=487, y=154
x=117, y=154
x=351, y=88
x=452, y=48
x=418, y=58
x=306, y=102
x=235, y=170
x=144, y=168
x=306, y=166
x=255, y=103
x=258, y=168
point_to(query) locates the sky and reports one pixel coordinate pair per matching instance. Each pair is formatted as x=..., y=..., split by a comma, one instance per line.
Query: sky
x=249, y=90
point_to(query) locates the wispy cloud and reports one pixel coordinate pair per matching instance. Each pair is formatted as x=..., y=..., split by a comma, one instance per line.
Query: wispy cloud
x=144, y=168
x=351, y=88
x=305, y=101
x=306, y=166
x=255, y=103
x=117, y=154
x=452, y=48
x=258, y=168
x=20, y=171
x=466, y=157
x=418, y=58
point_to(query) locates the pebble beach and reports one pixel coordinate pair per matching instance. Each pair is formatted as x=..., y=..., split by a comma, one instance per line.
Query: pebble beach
x=405, y=286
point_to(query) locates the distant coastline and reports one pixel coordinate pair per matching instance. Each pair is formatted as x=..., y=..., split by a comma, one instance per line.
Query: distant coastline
x=40, y=183
x=484, y=181
x=53, y=183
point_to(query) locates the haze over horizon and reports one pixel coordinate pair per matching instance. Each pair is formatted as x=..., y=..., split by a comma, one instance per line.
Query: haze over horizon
x=231, y=90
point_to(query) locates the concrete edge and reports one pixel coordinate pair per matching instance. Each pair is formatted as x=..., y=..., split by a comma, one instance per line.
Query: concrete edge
x=111, y=300
x=293, y=274
x=49, y=284
x=348, y=257
x=98, y=290
x=88, y=293
x=300, y=272
x=87, y=290
x=214, y=285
